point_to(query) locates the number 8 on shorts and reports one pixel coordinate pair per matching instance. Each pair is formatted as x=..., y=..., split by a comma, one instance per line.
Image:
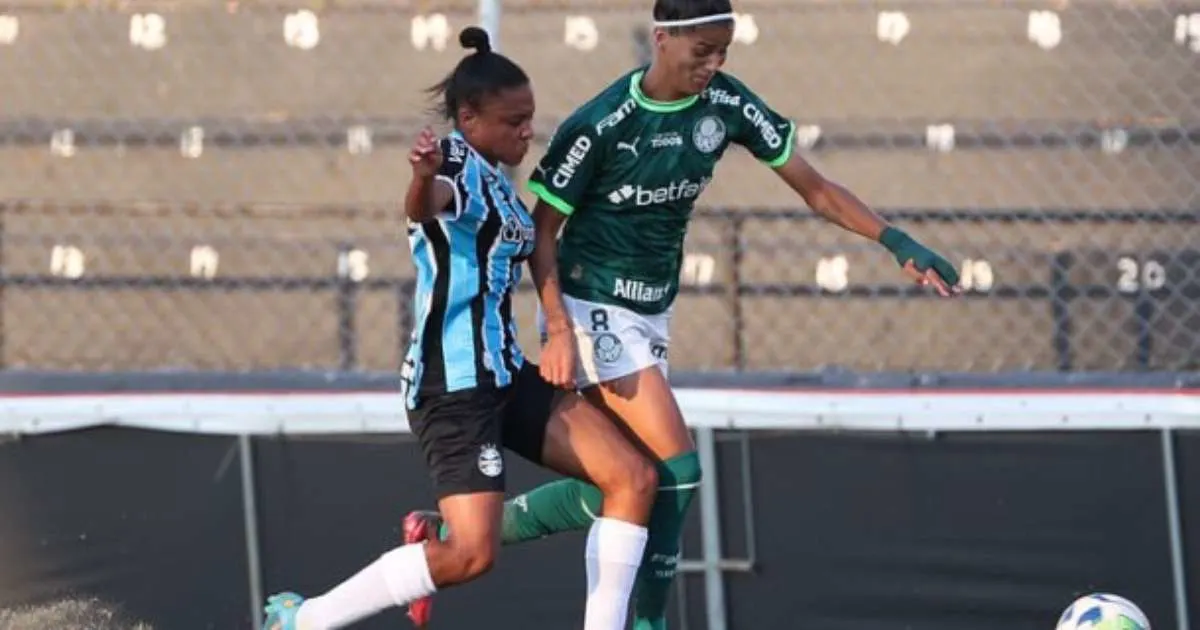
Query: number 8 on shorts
x=615, y=341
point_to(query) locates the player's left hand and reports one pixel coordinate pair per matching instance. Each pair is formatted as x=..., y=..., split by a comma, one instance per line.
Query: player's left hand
x=426, y=156
x=559, y=355
x=922, y=264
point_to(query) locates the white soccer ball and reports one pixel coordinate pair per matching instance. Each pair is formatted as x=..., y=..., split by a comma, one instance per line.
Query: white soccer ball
x=1103, y=611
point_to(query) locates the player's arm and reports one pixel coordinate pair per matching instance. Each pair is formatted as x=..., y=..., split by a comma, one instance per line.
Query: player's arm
x=560, y=182
x=434, y=186
x=829, y=199
x=427, y=195
x=841, y=207
x=771, y=138
x=543, y=267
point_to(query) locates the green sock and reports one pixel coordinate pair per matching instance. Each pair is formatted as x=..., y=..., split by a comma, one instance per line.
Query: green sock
x=678, y=479
x=559, y=506
x=647, y=623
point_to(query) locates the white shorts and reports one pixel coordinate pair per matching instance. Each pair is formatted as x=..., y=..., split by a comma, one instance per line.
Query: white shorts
x=614, y=341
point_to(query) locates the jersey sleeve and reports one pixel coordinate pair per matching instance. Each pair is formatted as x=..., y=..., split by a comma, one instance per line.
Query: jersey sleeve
x=766, y=133
x=454, y=161
x=562, y=176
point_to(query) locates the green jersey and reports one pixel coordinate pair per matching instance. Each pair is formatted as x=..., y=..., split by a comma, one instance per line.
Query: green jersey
x=627, y=171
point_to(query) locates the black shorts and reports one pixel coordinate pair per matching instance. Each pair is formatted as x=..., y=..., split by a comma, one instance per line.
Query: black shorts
x=462, y=433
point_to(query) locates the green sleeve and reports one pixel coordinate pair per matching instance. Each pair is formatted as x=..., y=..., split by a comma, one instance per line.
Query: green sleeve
x=562, y=176
x=766, y=133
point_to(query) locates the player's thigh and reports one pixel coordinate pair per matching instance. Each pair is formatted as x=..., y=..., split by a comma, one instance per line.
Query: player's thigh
x=460, y=434
x=645, y=406
x=561, y=431
x=623, y=370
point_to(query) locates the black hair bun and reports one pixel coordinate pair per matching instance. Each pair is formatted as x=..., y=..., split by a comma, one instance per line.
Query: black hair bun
x=475, y=38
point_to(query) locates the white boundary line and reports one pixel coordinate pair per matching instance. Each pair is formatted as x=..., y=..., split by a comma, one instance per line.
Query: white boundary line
x=264, y=413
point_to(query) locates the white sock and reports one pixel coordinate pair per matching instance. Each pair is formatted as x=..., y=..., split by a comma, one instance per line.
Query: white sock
x=395, y=579
x=614, y=552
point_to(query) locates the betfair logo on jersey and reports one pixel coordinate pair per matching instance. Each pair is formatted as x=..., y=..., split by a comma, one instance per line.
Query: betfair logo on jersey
x=675, y=191
x=575, y=157
x=717, y=96
x=639, y=291
x=763, y=124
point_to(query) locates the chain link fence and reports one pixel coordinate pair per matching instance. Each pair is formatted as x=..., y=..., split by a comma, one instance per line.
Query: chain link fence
x=203, y=185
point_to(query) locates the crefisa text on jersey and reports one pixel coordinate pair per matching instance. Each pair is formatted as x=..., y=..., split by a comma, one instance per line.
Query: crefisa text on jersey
x=770, y=134
x=717, y=96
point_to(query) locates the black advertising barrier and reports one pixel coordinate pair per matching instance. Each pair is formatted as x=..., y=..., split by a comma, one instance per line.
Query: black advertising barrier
x=884, y=531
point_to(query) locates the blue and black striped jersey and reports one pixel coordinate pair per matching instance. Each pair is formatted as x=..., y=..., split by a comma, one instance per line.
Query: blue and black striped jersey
x=468, y=262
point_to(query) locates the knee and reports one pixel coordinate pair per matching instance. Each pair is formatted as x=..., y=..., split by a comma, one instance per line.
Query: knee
x=632, y=479
x=469, y=560
x=480, y=562
x=642, y=480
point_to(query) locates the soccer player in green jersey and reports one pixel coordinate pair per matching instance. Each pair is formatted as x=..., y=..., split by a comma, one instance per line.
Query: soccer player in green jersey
x=619, y=181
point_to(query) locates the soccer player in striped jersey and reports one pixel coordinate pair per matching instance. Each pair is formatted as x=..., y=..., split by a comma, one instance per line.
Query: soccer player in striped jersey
x=619, y=180
x=468, y=389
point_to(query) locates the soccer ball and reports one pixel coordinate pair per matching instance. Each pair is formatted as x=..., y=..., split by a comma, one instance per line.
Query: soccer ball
x=1103, y=611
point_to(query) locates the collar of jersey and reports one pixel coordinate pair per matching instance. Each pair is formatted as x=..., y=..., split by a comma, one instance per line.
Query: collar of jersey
x=662, y=107
x=478, y=156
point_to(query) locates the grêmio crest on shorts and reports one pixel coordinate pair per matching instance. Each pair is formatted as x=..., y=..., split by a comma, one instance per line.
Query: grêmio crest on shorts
x=628, y=170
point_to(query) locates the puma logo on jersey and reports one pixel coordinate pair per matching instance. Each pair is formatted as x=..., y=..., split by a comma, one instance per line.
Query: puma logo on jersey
x=629, y=146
